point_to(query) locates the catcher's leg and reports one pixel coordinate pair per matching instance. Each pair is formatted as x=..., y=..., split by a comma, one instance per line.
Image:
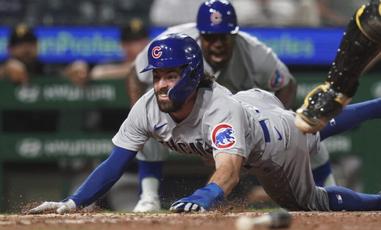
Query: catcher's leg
x=360, y=44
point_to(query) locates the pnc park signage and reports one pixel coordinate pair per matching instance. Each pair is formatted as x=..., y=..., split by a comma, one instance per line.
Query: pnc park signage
x=31, y=147
x=294, y=46
x=64, y=92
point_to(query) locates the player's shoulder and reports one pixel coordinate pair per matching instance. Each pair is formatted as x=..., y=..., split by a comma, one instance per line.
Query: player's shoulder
x=222, y=98
x=221, y=90
x=245, y=36
x=259, y=97
x=188, y=28
x=252, y=48
x=146, y=101
x=246, y=40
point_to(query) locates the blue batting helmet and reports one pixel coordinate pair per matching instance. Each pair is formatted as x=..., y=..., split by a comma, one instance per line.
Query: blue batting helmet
x=217, y=16
x=177, y=50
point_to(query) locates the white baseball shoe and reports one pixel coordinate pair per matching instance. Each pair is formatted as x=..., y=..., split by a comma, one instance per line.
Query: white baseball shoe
x=148, y=204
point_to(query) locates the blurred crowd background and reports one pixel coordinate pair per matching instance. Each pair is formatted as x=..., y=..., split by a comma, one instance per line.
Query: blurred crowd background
x=136, y=20
x=156, y=12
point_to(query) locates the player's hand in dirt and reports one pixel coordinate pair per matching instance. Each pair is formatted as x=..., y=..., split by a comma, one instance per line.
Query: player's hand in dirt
x=201, y=200
x=57, y=207
x=183, y=206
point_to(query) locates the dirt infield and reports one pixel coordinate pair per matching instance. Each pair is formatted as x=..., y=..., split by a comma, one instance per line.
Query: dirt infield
x=161, y=221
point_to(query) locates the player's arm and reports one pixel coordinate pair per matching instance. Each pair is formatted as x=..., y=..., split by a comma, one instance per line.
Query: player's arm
x=228, y=167
x=287, y=94
x=98, y=183
x=224, y=179
x=135, y=88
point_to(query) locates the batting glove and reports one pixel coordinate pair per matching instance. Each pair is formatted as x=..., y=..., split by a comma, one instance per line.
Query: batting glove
x=200, y=201
x=58, y=207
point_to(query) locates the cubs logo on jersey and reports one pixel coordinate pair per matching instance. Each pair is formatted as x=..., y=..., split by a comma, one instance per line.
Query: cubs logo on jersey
x=156, y=52
x=216, y=18
x=223, y=136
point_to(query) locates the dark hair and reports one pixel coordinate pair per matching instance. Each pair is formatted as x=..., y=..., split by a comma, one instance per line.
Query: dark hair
x=134, y=30
x=207, y=80
x=21, y=33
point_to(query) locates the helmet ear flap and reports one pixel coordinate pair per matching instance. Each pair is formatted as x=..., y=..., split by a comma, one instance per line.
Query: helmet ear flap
x=187, y=71
x=190, y=78
x=190, y=70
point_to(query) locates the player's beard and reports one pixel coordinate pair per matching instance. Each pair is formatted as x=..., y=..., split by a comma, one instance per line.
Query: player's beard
x=166, y=106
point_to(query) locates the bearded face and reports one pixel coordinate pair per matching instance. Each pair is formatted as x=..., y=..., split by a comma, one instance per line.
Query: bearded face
x=163, y=81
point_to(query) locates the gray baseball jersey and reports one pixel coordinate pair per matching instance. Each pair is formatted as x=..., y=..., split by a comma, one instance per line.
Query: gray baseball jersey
x=252, y=64
x=251, y=123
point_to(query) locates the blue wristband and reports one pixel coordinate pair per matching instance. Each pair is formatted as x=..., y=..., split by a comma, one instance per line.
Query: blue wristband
x=208, y=196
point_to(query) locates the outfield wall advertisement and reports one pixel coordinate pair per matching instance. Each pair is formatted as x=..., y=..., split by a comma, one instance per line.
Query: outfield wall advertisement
x=295, y=46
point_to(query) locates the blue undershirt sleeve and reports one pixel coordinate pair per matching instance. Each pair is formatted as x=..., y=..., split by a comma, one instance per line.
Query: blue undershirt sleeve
x=352, y=116
x=103, y=177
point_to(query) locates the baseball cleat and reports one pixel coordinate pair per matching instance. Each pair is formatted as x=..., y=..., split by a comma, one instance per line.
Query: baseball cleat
x=148, y=204
x=320, y=106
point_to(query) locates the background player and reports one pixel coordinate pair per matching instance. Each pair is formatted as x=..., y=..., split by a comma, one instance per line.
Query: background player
x=360, y=44
x=197, y=116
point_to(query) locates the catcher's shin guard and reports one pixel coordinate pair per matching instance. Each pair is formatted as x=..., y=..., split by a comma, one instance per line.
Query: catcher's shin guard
x=360, y=44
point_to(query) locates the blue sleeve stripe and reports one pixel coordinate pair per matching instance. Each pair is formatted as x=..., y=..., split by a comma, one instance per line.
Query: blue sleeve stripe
x=103, y=177
x=265, y=130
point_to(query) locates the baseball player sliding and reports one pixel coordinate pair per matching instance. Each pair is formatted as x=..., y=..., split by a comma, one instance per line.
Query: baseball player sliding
x=189, y=112
x=239, y=61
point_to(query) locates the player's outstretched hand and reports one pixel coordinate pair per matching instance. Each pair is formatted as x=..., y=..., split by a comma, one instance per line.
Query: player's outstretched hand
x=57, y=207
x=200, y=201
x=186, y=205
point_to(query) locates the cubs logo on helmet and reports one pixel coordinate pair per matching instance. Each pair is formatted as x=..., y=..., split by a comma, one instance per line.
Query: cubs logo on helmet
x=223, y=136
x=216, y=18
x=156, y=52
